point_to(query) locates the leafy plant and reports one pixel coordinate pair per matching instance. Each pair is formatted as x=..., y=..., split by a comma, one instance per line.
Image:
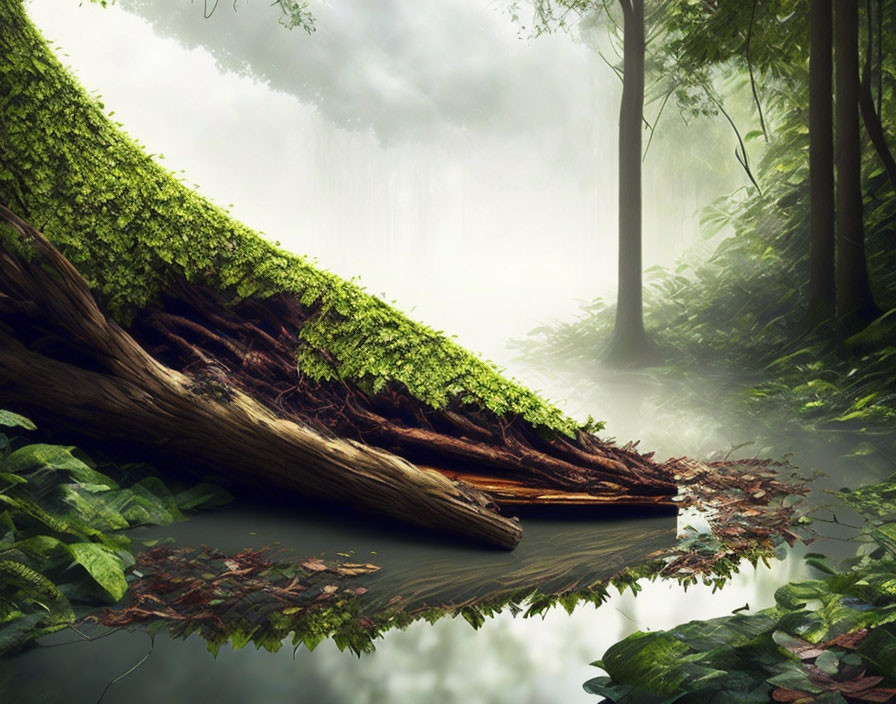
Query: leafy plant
x=61, y=523
x=827, y=640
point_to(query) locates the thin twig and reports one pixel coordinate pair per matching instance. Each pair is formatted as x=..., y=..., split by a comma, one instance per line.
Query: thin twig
x=750, y=69
x=740, y=155
x=656, y=122
x=152, y=644
x=616, y=69
x=83, y=639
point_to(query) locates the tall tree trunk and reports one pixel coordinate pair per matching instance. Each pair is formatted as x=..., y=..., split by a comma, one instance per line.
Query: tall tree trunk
x=821, y=164
x=855, y=303
x=871, y=114
x=630, y=344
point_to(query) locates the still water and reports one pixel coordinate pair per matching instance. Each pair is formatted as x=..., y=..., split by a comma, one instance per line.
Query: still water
x=509, y=659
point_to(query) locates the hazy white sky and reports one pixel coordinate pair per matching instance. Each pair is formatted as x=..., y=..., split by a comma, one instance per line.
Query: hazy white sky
x=465, y=172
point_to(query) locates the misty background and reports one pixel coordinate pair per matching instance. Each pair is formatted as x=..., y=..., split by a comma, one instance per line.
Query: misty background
x=433, y=151
x=430, y=149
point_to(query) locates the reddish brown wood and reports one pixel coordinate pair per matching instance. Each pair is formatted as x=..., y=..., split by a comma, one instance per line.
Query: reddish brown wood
x=62, y=359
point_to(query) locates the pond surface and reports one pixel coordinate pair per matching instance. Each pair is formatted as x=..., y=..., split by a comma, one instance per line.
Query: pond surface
x=508, y=659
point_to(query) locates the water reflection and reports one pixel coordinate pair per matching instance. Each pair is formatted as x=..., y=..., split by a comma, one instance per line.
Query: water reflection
x=448, y=659
x=563, y=552
x=534, y=660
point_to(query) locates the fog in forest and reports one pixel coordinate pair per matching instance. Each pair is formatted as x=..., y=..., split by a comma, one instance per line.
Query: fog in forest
x=432, y=149
x=448, y=161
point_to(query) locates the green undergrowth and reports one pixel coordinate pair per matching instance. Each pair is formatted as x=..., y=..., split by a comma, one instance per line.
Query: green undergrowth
x=61, y=529
x=830, y=640
x=736, y=320
x=132, y=228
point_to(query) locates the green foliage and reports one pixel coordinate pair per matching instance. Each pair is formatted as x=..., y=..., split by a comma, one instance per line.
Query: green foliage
x=296, y=14
x=739, y=314
x=875, y=501
x=104, y=566
x=60, y=539
x=823, y=640
x=14, y=420
x=132, y=229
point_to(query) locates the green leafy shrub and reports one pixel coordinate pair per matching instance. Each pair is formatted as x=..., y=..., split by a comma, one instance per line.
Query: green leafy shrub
x=61, y=523
x=825, y=640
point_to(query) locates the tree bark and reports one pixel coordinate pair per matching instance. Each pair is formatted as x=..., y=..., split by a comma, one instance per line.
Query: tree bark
x=116, y=390
x=871, y=115
x=629, y=345
x=855, y=302
x=822, y=295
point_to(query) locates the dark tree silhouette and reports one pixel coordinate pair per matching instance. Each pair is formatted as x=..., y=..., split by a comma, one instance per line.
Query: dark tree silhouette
x=855, y=302
x=821, y=163
x=630, y=345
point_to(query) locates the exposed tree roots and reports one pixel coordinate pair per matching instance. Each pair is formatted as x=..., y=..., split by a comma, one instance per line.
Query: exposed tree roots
x=214, y=380
x=252, y=345
x=63, y=361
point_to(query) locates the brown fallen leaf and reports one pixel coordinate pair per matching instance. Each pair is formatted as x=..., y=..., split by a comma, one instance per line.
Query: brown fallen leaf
x=353, y=569
x=792, y=695
x=314, y=564
x=847, y=640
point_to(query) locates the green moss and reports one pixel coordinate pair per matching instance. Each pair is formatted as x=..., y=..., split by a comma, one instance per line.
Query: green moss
x=131, y=228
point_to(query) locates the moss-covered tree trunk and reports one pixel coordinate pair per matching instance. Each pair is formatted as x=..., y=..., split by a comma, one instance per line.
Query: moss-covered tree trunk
x=208, y=299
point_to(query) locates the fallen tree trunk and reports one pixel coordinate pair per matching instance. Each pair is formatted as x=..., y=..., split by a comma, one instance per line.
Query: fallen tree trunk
x=252, y=345
x=238, y=324
x=90, y=373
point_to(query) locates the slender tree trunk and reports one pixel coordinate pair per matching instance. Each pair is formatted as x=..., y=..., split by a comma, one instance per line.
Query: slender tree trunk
x=629, y=344
x=855, y=303
x=871, y=114
x=821, y=164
